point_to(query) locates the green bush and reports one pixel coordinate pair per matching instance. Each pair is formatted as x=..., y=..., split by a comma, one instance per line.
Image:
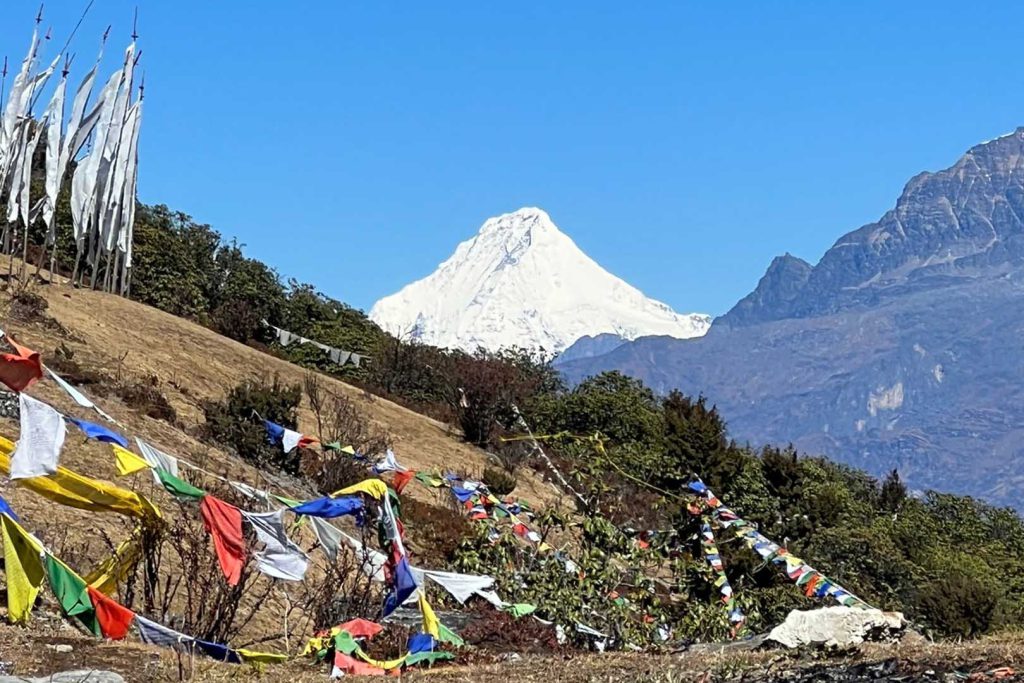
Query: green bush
x=500, y=482
x=235, y=422
x=960, y=604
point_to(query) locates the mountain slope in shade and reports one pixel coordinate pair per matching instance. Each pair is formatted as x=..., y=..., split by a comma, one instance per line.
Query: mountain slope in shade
x=521, y=282
x=903, y=347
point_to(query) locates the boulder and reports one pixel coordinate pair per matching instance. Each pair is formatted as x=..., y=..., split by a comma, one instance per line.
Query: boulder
x=79, y=676
x=836, y=627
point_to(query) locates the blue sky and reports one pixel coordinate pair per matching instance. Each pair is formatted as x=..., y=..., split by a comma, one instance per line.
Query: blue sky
x=681, y=144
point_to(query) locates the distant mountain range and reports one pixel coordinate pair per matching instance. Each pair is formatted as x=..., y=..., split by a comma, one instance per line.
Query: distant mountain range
x=901, y=348
x=521, y=282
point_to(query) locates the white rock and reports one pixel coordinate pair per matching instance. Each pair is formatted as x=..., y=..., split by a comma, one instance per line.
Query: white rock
x=836, y=627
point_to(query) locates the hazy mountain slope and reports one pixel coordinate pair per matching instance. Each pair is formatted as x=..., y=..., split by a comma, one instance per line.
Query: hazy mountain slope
x=901, y=348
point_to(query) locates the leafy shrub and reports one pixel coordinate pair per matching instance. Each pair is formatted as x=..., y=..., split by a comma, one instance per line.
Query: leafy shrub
x=960, y=604
x=500, y=482
x=235, y=422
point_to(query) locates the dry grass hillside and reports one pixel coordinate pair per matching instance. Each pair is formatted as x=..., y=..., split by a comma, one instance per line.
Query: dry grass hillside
x=188, y=364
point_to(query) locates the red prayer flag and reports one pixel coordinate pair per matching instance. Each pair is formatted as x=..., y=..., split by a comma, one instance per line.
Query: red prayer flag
x=361, y=628
x=353, y=666
x=114, y=618
x=224, y=522
x=307, y=441
x=19, y=370
x=401, y=480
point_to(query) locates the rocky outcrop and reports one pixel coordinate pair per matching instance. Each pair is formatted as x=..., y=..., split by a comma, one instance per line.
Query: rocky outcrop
x=836, y=627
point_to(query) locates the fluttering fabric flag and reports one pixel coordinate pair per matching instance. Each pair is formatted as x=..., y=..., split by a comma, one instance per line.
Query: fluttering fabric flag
x=99, y=432
x=20, y=369
x=428, y=657
x=359, y=628
x=222, y=653
x=40, y=440
x=402, y=480
x=329, y=537
x=371, y=487
x=78, y=491
x=281, y=558
x=72, y=594
x=388, y=464
x=113, y=570
x=404, y=584
x=114, y=618
x=224, y=523
x=421, y=642
x=178, y=488
x=275, y=432
x=430, y=622
x=153, y=633
x=6, y=509
x=127, y=462
x=157, y=459
x=446, y=635
x=77, y=396
x=260, y=657
x=250, y=492
x=290, y=439
x=23, y=567
x=460, y=586
x=330, y=507
x=54, y=118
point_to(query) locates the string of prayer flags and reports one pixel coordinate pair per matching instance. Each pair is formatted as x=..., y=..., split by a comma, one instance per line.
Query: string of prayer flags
x=20, y=369
x=224, y=523
x=127, y=462
x=77, y=396
x=714, y=559
x=75, y=490
x=807, y=577
x=39, y=441
x=99, y=432
x=288, y=439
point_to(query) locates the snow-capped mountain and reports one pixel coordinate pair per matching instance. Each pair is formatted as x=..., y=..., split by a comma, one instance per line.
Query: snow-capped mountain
x=521, y=282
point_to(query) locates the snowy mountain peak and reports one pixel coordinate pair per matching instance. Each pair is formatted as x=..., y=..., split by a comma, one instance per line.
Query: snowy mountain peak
x=520, y=281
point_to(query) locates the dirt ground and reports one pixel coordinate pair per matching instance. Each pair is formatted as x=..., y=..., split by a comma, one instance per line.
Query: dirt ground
x=31, y=651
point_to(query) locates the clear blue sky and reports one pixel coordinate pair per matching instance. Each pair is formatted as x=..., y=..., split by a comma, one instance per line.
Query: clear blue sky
x=681, y=144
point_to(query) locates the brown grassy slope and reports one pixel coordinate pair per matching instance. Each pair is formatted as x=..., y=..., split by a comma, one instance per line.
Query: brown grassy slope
x=196, y=364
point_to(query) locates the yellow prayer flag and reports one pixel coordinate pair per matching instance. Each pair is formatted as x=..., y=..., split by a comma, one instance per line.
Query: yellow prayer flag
x=115, y=568
x=348, y=449
x=78, y=491
x=371, y=487
x=429, y=618
x=23, y=566
x=386, y=664
x=262, y=657
x=127, y=462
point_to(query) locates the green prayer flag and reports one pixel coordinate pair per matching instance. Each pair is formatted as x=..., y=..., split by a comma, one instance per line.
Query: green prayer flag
x=345, y=643
x=807, y=576
x=179, y=488
x=429, y=657
x=71, y=593
x=287, y=501
x=446, y=635
x=521, y=609
x=333, y=446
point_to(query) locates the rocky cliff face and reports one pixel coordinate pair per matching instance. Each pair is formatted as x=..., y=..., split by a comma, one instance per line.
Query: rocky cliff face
x=901, y=348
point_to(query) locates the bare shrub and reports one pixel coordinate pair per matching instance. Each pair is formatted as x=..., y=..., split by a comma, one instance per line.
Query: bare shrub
x=338, y=419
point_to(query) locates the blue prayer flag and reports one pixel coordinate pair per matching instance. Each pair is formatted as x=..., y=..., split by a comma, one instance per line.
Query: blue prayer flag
x=99, y=432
